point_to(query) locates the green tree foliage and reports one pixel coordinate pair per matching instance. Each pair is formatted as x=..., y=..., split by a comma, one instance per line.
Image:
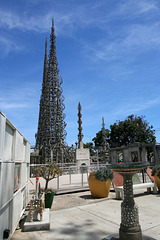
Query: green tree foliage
x=90, y=146
x=98, y=140
x=132, y=129
x=48, y=172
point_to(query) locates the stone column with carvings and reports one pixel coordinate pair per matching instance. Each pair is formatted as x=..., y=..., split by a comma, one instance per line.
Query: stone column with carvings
x=80, y=135
x=129, y=227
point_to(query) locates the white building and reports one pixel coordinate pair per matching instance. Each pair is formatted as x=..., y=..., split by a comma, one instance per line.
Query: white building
x=14, y=175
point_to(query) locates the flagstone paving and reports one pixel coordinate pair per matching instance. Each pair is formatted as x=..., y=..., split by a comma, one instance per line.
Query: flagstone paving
x=79, y=216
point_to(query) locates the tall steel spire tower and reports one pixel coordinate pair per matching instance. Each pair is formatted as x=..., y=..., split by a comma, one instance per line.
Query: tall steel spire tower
x=51, y=126
x=41, y=133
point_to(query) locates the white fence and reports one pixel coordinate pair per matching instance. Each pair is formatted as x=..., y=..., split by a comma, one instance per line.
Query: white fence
x=73, y=178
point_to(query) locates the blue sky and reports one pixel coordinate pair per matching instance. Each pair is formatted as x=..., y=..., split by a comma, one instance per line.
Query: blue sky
x=108, y=54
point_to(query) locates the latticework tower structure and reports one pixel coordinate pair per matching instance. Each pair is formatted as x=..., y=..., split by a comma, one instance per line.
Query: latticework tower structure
x=104, y=142
x=51, y=126
x=105, y=145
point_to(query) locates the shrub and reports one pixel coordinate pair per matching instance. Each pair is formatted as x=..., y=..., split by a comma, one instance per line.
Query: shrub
x=104, y=174
x=156, y=168
x=48, y=172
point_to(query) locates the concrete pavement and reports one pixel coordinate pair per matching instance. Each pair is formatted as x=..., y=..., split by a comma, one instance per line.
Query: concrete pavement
x=95, y=219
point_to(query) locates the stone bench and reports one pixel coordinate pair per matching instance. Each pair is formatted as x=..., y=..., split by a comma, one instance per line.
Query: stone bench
x=148, y=185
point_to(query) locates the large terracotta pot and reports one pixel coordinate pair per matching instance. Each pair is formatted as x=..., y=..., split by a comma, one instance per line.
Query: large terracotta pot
x=157, y=180
x=98, y=188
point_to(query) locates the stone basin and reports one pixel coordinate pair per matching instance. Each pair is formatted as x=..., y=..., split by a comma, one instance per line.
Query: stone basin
x=128, y=168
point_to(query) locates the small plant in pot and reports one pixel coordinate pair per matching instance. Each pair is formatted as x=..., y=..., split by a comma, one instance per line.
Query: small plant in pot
x=48, y=172
x=100, y=182
x=156, y=175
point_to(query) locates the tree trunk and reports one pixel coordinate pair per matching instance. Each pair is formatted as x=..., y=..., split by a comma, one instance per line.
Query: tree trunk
x=46, y=186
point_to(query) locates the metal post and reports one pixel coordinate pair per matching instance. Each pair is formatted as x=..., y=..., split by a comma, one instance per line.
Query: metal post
x=58, y=182
x=31, y=211
x=70, y=175
x=37, y=186
x=82, y=178
x=143, y=175
x=41, y=210
x=145, y=180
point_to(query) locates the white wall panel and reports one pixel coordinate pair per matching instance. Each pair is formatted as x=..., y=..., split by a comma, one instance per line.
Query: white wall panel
x=0, y=184
x=17, y=209
x=7, y=182
x=27, y=153
x=18, y=146
x=4, y=221
x=8, y=143
x=23, y=174
x=28, y=171
x=2, y=135
x=24, y=149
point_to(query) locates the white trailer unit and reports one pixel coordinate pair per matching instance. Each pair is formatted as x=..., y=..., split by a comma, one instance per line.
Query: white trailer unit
x=14, y=176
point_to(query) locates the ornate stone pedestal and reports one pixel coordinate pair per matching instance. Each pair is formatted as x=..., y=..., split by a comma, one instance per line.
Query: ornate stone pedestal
x=129, y=228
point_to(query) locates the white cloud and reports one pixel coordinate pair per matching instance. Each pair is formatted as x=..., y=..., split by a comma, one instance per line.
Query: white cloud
x=134, y=40
x=7, y=45
x=143, y=36
x=131, y=9
x=41, y=23
x=145, y=7
x=17, y=98
x=69, y=19
x=5, y=105
x=13, y=20
x=10, y=20
x=136, y=105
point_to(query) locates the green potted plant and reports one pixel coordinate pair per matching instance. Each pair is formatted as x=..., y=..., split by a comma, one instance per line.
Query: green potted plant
x=156, y=175
x=48, y=172
x=100, y=182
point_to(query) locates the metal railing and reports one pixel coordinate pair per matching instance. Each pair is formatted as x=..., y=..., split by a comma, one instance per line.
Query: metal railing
x=72, y=177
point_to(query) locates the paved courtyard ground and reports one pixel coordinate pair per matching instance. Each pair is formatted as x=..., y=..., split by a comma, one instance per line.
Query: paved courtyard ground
x=78, y=216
